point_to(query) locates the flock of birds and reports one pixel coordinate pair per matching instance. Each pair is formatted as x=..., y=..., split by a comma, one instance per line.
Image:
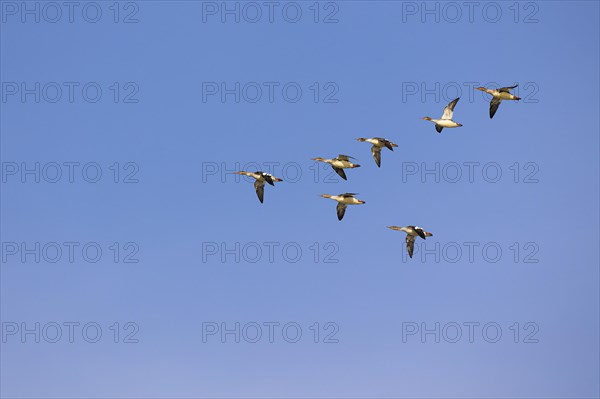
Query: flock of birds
x=342, y=162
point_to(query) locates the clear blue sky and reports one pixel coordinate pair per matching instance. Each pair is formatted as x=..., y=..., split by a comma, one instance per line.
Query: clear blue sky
x=373, y=54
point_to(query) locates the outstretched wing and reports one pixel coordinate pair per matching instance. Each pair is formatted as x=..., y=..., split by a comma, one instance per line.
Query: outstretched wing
x=376, y=151
x=343, y=157
x=410, y=244
x=420, y=232
x=449, y=110
x=341, y=210
x=389, y=144
x=507, y=89
x=340, y=172
x=439, y=128
x=268, y=178
x=494, y=104
x=260, y=190
x=346, y=195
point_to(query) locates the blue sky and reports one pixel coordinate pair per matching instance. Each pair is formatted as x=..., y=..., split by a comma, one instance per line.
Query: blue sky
x=175, y=206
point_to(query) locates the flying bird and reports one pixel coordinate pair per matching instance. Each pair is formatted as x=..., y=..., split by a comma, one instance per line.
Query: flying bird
x=446, y=120
x=343, y=201
x=498, y=95
x=411, y=234
x=261, y=179
x=339, y=164
x=378, y=144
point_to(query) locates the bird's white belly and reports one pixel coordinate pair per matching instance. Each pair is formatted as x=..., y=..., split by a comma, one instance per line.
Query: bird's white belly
x=349, y=201
x=447, y=123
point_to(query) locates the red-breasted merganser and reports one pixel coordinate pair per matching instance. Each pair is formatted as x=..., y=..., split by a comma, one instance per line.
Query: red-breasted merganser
x=446, y=119
x=498, y=95
x=411, y=233
x=378, y=144
x=339, y=164
x=343, y=201
x=261, y=179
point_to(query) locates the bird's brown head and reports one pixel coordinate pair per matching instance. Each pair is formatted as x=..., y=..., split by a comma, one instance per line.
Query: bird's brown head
x=480, y=88
x=426, y=118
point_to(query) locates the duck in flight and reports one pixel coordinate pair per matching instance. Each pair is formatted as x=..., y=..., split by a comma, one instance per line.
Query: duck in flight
x=498, y=95
x=411, y=234
x=339, y=164
x=261, y=178
x=378, y=144
x=446, y=119
x=343, y=201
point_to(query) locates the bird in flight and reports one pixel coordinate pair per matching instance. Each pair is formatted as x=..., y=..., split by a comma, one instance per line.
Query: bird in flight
x=411, y=234
x=446, y=119
x=261, y=178
x=498, y=95
x=343, y=201
x=378, y=144
x=339, y=164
